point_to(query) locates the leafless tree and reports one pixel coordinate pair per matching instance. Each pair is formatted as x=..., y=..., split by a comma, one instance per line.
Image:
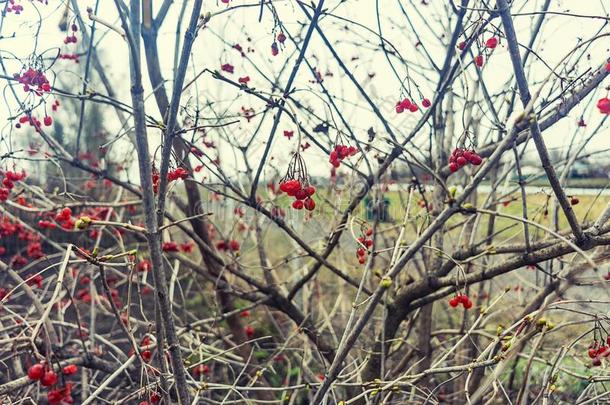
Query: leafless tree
x=304, y=203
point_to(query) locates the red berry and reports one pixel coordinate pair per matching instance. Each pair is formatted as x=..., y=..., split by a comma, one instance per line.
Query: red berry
x=426, y=103
x=454, y=302
x=406, y=104
x=603, y=104
x=476, y=159
x=49, y=378
x=55, y=397
x=461, y=161
x=48, y=121
x=146, y=355
x=301, y=194
x=360, y=252
x=297, y=204
x=201, y=369
x=574, y=200
x=249, y=331
x=6, y=182
x=453, y=167
x=310, y=190
x=361, y=259
x=309, y=204
x=36, y=372
x=234, y=245
x=462, y=46
x=479, y=60
x=467, y=304
x=491, y=43
x=70, y=369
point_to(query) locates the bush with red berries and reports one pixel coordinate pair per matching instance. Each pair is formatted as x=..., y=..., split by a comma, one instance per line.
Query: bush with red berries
x=461, y=157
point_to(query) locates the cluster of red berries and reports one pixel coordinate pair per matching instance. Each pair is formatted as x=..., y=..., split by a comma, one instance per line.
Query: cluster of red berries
x=15, y=8
x=33, y=249
x=44, y=224
x=281, y=38
x=71, y=39
x=35, y=280
x=199, y=370
x=489, y=44
x=177, y=173
x=144, y=265
x=461, y=157
x=146, y=354
x=35, y=80
x=47, y=377
x=154, y=397
x=341, y=152
x=460, y=299
x=176, y=247
x=603, y=104
x=598, y=350
x=172, y=175
x=365, y=243
x=64, y=217
x=61, y=395
x=227, y=67
x=224, y=245
x=8, y=183
x=70, y=56
x=408, y=105
x=34, y=122
x=301, y=192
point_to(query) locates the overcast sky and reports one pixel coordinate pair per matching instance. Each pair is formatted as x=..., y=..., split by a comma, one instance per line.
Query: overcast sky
x=358, y=47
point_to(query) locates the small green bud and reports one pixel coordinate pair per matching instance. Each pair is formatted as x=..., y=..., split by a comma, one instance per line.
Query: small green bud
x=386, y=282
x=82, y=223
x=452, y=191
